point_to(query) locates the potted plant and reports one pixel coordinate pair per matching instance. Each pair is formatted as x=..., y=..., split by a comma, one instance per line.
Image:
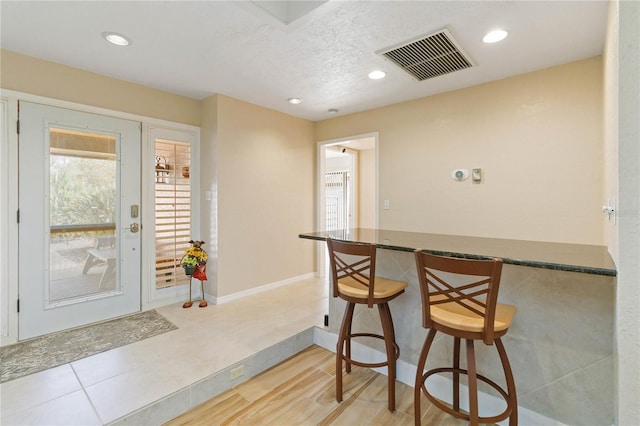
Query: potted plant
x=189, y=264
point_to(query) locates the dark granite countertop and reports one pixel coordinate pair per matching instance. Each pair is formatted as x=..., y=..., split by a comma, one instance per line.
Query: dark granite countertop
x=588, y=259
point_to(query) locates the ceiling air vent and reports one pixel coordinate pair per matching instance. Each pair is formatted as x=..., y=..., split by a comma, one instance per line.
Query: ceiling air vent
x=431, y=56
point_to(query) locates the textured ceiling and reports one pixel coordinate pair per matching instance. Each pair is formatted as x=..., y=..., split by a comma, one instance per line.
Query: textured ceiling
x=239, y=49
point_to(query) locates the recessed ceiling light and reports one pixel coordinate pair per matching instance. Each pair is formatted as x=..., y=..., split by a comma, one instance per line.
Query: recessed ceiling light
x=115, y=38
x=495, y=36
x=294, y=101
x=332, y=111
x=377, y=75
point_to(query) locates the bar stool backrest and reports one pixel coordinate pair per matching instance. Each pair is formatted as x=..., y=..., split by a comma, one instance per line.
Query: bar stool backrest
x=469, y=283
x=352, y=262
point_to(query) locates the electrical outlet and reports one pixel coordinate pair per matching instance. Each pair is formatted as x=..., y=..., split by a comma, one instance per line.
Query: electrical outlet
x=236, y=372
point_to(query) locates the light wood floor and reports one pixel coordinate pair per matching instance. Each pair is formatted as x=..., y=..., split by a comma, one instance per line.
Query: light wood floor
x=301, y=391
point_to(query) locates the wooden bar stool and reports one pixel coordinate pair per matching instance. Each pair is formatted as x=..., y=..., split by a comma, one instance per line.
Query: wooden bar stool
x=459, y=298
x=353, y=268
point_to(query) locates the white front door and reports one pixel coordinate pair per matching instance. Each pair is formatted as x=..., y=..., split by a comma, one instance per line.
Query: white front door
x=79, y=218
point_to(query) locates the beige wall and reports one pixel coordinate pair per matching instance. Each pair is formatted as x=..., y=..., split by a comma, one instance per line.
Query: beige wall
x=367, y=188
x=266, y=195
x=537, y=137
x=37, y=77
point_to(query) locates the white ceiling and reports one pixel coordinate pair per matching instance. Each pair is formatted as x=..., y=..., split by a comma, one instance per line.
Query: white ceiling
x=238, y=49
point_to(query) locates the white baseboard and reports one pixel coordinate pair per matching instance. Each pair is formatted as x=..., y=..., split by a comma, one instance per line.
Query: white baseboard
x=439, y=386
x=257, y=290
x=183, y=296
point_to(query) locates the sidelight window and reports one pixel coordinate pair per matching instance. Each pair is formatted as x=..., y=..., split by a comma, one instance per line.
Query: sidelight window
x=172, y=210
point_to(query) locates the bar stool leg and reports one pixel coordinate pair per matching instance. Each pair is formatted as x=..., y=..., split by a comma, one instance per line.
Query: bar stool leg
x=395, y=356
x=473, y=384
x=342, y=339
x=456, y=374
x=393, y=331
x=417, y=390
x=348, y=340
x=389, y=340
x=511, y=386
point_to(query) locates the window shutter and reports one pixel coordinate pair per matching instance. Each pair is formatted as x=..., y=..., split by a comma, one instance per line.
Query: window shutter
x=337, y=200
x=172, y=210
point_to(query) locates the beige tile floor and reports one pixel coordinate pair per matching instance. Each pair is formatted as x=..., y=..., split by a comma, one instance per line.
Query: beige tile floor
x=107, y=387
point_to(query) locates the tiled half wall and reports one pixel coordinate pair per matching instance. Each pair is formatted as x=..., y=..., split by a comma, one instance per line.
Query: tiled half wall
x=560, y=344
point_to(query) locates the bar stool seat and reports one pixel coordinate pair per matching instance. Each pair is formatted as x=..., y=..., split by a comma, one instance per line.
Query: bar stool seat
x=383, y=288
x=452, y=315
x=459, y=298
x=353, y=279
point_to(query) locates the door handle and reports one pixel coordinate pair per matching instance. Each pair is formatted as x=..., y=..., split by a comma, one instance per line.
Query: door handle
x=134, y=227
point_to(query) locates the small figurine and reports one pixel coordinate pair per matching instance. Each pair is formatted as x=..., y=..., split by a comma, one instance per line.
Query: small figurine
x=194, y=263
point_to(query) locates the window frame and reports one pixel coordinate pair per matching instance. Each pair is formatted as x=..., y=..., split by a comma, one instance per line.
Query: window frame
x=156, y=297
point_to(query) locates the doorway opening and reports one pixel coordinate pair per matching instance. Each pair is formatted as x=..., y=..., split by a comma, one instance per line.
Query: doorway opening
x=347, y=187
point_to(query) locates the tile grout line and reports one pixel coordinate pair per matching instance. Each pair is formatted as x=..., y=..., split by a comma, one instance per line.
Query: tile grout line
x=571, y=373
x=84, y=390
x=46, y=401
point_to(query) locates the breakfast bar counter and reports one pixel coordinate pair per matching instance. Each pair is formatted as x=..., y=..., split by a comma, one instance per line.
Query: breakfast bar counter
x=584, y=258
x=560, y=343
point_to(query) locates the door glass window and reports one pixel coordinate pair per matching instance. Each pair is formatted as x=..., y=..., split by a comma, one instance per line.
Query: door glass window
x=82, y=214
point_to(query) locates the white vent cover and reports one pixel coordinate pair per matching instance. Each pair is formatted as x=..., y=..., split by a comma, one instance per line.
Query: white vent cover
x=431, y=56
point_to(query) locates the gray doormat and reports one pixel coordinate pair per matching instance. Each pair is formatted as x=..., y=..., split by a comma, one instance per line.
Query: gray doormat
x=52, y=350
